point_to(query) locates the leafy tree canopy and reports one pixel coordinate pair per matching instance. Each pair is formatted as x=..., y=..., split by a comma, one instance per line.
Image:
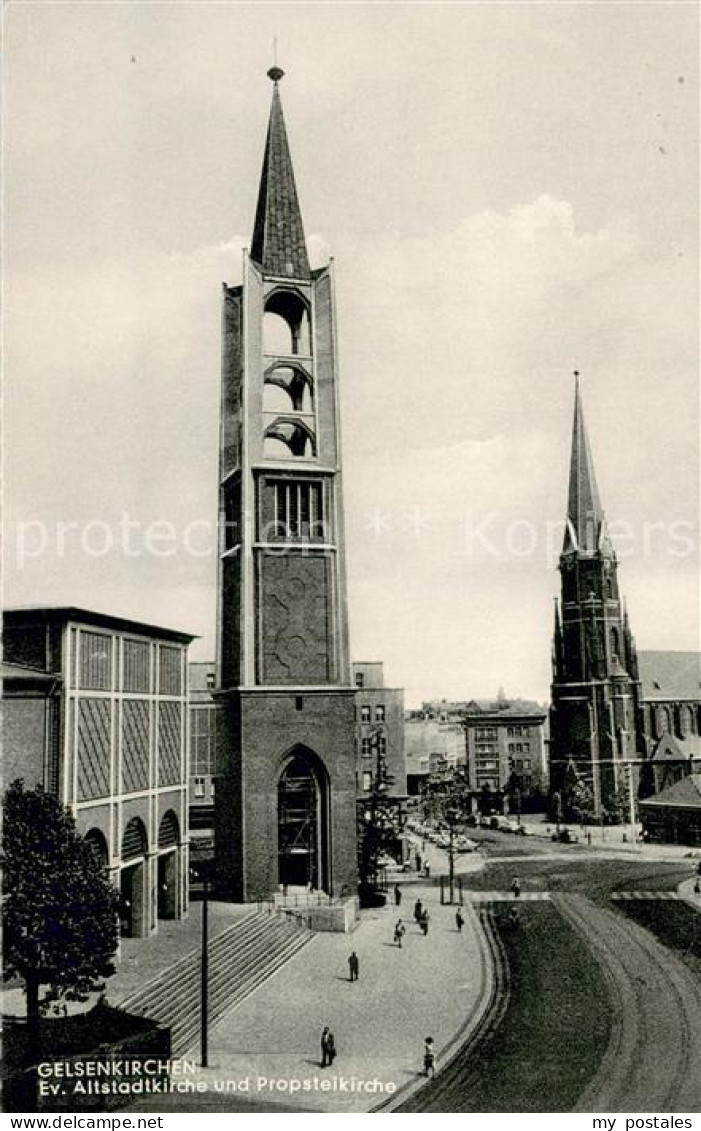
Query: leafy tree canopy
x=60, y=923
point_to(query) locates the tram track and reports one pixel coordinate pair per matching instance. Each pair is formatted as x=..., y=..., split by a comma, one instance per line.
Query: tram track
x=653, y=1058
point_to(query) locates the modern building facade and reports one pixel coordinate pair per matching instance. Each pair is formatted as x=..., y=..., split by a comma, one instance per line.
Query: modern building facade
x=595, y=715
x=95, y=711
x=285, y=800
x=380, y=731
x=505, y=744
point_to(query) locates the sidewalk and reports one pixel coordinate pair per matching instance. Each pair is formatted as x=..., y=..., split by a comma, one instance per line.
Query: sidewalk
x=431, y=987
x=686, y=892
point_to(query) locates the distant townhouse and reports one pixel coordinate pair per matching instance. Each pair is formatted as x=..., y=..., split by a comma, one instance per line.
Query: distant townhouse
x=505, y=743
x=379, y=731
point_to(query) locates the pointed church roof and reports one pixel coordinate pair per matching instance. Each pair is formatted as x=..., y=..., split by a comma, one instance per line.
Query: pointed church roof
x=685, y=794
x=278, y=244
x=586, y=532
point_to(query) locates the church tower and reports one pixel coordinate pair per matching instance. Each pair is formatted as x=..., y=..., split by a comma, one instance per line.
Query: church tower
x=285, y=804
x=595, y=713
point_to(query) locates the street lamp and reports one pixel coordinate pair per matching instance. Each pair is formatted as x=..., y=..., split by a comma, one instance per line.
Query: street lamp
x=451, y=817
x=204, y=964
x=204, y=994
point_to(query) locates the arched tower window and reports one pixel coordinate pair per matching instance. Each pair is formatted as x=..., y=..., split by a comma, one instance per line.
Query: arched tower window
x=287, y=388
x=615, y=643
x=284, y=439
x=286, y=330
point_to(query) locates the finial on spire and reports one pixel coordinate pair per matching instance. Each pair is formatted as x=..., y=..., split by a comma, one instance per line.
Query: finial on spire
x=275, y=73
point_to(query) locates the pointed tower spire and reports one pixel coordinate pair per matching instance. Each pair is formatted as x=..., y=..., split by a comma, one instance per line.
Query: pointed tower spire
x=586, y=532
x=278, y=244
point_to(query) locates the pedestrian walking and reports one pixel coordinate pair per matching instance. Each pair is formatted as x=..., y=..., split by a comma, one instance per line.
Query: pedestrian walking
x=459, y=921
x=417, y=861
x=516, y=887
x=399, y=931
x=427, y=869
x=397, y=895
x=429, y=1057
x=423, y=922
x=328, y=1048
x=353, y=967
x=418, y=909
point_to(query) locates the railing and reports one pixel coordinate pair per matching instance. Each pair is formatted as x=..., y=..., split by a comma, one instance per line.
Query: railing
x=296, y=906
x=296, y=916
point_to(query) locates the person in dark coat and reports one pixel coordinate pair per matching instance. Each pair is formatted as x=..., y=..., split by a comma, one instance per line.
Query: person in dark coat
x=328, y=1048
x=353, y=967
x=459, y=921
x=397, y=895
x=516, y=887
x=429, y=1057
x=423, y=922
x=399, y=932
x=418, y=909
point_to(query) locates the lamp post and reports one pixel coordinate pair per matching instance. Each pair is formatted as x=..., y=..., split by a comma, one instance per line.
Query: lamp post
x=451, y=817
x=204, y=968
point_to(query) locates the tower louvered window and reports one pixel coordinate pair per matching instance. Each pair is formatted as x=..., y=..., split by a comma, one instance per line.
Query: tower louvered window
x=299, y=512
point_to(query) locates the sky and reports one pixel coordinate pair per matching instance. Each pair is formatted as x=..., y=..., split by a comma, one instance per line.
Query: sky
x=509, y=192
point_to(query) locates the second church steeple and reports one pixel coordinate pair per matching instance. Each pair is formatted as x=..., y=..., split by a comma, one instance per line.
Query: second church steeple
x=595, y=714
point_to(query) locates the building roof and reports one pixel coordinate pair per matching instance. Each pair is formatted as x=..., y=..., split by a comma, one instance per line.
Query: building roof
x=482, y=709
x=670, y=675
x=683, y=794
x=278, y=243
x=586, y=532
x=63, y=613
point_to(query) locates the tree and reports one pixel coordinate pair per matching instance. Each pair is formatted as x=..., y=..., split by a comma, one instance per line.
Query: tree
x=60, y=912
x=379, y=820
x=581, y=804
x=614, y=804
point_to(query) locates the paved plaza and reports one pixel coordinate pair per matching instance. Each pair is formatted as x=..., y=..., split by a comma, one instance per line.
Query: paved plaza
x=433, y=986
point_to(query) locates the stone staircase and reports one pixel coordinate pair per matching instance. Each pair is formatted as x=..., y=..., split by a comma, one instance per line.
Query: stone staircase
x=240, y=959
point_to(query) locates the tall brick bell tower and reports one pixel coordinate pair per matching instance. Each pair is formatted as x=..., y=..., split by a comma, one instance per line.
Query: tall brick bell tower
x=595, y=713
x=285, y=803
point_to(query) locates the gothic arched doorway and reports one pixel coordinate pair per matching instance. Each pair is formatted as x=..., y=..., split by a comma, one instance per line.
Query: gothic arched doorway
x=302, y=824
